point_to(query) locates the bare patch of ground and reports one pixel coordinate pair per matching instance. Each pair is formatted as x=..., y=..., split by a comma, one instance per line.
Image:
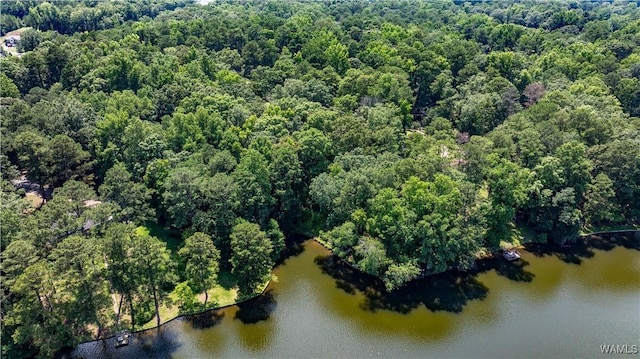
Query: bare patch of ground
x=32, y=191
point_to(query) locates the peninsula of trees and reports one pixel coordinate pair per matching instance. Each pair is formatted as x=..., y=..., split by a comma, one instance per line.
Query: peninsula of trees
x=164, y=145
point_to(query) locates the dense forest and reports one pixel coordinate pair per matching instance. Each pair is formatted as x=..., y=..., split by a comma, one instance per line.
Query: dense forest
x=410, y=137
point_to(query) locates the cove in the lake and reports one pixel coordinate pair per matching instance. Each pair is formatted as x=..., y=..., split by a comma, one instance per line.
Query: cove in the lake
x=552, y=303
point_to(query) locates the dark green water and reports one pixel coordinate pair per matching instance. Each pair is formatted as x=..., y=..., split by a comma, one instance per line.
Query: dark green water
x=550, y=304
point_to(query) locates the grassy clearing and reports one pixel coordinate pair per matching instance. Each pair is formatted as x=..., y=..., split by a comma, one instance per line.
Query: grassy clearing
x=218, y=296
x=227, y=280
x=156, y=230
x=223, y=294
x=521, y=234
x=518, y=235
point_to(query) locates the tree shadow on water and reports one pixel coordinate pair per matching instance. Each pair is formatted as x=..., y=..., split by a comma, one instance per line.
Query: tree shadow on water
x=154, y=343
x=347, y=278
x=257, y=309
x=206, y=319
x=449, y=291
x=605, y=241
x=583, y=247
x=159, y=341
x=513, y=270
x=293, y=249
x=346, y=286
x=572, y=254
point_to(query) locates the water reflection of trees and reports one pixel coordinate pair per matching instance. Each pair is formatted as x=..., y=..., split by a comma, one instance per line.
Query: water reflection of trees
x=257, y=336
x=160, y=343
x=447, y=291
x=513, y=270
x=206, y=319
x=157, y=343
x=257, y=309
x=585, y=246
x=452, y=290
x=293, y=249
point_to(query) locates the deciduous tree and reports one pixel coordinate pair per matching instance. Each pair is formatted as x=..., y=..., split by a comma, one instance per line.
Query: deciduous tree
x=201, y=257
x=250, y=257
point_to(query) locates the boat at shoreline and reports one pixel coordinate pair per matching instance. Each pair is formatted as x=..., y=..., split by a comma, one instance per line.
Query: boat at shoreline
x=122, y=339
x=511, y=255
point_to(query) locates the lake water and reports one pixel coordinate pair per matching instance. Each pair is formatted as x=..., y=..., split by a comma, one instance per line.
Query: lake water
x=550, y=304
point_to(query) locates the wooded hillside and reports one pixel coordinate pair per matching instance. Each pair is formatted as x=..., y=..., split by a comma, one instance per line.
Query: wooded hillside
x=410, y=136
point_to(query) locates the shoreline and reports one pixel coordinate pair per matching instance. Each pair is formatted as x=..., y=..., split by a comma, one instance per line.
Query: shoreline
x=636, y=236
x=492, y=255
x=258, y=294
